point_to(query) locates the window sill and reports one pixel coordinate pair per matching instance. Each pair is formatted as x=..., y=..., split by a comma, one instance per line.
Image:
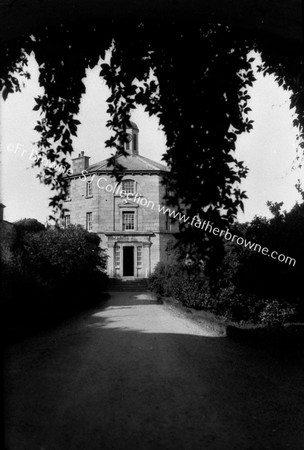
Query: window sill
x=89, y=196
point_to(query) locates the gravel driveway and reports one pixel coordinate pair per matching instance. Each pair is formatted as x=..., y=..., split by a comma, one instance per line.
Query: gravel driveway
x=133, y=374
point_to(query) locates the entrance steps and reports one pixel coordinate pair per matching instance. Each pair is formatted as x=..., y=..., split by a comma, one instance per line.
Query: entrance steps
x=127, y=285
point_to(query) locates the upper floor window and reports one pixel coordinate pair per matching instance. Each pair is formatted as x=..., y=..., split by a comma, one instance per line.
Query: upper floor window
x=128, y=186
x=128, y=221
x=135, y=142
x=67, y=221
x=89, y=190
x=129, y=138
x=68, y=192
x=89, y=221
x=168, y=222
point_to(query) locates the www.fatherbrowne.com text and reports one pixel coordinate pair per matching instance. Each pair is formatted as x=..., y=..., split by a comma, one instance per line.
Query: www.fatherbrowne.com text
x=195, y=221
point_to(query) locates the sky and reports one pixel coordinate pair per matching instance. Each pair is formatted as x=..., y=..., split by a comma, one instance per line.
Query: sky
x=269, y=150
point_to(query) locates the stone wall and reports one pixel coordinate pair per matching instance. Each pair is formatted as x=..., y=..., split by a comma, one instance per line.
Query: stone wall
x=107, y=205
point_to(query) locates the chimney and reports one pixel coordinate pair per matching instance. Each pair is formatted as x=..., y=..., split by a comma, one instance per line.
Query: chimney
x=80, y=163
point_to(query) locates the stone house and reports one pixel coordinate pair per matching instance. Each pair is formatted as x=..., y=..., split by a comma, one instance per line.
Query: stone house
x=128, y=216
x=7, y=232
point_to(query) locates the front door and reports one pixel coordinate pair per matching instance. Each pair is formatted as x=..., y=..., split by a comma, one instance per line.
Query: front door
x=128, y=261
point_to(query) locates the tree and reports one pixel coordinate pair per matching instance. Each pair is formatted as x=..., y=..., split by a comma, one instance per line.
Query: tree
x=254, y=273
x=57, y=255
x=22, y=228
x=193, y=76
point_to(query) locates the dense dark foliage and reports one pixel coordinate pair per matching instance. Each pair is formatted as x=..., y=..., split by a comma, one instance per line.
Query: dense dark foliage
x=264, y=275
x=58, y=256
x=22, y=228
x=49, y=274
x=246, y=285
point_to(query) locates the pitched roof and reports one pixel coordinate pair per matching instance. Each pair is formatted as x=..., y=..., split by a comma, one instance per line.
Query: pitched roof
x=131, y=163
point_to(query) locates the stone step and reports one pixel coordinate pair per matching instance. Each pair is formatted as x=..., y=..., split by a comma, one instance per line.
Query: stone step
x=136, y=285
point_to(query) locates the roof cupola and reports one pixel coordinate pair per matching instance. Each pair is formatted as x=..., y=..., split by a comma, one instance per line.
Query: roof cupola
x=131, y=146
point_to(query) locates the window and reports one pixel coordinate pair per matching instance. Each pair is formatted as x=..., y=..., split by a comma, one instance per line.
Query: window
x=128, y=222
x=129, y=139
x=67, y=221
x=117, y=257
x=128, y=186
x=139, y=256
x=168, y=222
x=135, y=142
x=68, y=195
x=89, y=221
x=128, y=142
x=89, y=191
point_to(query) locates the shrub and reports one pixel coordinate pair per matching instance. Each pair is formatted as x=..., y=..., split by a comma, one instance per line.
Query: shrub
x=49, y=275
x=185, y=290
x=263, y=276
x=164, y=277
x=276, y=314
x=24, y=226
x=57, y=255
x=157, y=280
x=193, y=290
x=245, y=285
x=237, y=306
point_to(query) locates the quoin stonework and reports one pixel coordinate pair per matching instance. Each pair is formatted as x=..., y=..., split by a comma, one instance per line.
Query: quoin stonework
x=133, y=231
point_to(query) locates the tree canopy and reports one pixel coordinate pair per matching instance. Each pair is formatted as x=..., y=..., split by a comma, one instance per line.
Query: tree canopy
x=192, y=76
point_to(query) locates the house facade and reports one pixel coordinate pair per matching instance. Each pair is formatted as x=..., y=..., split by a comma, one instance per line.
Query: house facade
x=7, y=231
x=128, y=216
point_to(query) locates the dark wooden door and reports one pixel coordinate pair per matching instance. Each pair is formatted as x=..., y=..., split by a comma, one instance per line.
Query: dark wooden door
x=128, y=261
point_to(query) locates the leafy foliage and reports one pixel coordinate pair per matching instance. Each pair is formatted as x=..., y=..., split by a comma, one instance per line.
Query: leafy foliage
x=263, y=275
x=246, y=285
x=276, y=313
x=50, y=274
x=15, y=55
x=57, y=255
x=193, y=76
x=22, y=228
x=289, y=73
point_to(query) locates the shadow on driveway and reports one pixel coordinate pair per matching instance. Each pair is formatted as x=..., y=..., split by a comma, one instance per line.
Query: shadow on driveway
x=132, y=375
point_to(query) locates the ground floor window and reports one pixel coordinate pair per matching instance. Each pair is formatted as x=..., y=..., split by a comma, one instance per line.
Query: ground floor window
x=139, y=257
x=89, y=221
x=117, y=257
x=67, y=221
